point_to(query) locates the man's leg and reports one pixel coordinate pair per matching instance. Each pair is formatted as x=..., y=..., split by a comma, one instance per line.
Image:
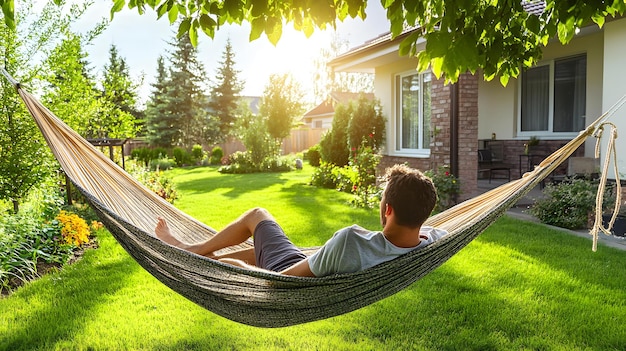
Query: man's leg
x=235, y=233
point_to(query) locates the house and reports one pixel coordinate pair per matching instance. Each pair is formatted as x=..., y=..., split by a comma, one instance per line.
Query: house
x=321, y=116
x=431, y=124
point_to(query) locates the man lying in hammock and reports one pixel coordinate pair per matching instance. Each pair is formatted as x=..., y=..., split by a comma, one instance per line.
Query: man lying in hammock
x=408, y=199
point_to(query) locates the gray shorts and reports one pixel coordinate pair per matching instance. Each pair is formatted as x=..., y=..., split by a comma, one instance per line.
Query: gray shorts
x=272, y=249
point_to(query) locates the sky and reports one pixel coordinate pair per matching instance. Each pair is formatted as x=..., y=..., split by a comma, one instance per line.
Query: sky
x=140, y=39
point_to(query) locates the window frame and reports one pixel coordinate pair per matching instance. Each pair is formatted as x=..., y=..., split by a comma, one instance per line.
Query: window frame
x=551, y=94
x=396, y=127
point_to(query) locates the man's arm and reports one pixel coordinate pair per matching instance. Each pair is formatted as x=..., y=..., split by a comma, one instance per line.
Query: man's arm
x=300, y=269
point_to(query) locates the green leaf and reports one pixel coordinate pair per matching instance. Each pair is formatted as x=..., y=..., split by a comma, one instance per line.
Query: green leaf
x=8, y=9
x=172, y=14
x=533, y=24
x=437, y=44
x=161, y=10
x=423, y=61
x=307, y=27
x=118, y=5
x=504, y=79
x=259, y=7
x=599, y=19
x=206, y=22
x=274, y=30
x=258, y=26
x=193, y=33
x=437, y=66
x=183, y=27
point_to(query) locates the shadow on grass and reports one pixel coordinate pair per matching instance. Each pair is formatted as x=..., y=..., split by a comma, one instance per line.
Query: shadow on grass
x=66, y=300
x=231, y=185
x=318, y=211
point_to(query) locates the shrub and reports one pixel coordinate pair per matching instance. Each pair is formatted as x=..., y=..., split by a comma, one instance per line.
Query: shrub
x=160, y=183
x=216, y=155
x=447, y=185
x=142, y=154
x=324, y=177
x=568, y=204
x=366, y=125
x=181, y=156
x=239, y=162
x=367, y=194
x=161, y=164
x=314, y=156
x=197, y=154
x=334, y=144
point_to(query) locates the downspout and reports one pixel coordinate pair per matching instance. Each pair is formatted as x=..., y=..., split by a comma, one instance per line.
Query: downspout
x=454, y=131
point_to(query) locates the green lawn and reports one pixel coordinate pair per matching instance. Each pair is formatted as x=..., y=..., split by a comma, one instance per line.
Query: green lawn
x=519, y=286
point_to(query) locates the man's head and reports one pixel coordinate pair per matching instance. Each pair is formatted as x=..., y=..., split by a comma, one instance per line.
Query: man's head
x=410, y=194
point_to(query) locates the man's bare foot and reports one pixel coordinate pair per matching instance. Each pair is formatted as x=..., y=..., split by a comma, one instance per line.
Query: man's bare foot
x=162, y=231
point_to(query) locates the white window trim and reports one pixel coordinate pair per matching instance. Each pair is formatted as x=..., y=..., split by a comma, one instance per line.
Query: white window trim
x=545, y=133
x=394, y=150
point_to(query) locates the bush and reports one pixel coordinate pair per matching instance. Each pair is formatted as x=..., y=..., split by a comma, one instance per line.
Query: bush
x=314, y=156
x=447, y=185
x=157, y=181
x=142, y=154
x=334, y=144
x=216, y=156
x=161, y=164
x=241, y=162
x=367, y=194
x=568, y=204
x=197, y=154
x=181, y=156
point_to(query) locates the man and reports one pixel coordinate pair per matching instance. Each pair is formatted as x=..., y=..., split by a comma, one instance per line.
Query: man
x=408, y=199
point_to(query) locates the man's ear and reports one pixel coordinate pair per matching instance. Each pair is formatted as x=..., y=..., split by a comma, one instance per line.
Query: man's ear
x=388, y=210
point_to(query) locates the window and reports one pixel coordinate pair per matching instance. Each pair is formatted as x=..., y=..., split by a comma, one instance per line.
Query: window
x=413, y=112
x=553, y=97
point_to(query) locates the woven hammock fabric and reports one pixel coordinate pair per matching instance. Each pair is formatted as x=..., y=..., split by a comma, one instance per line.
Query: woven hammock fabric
x=129, y=211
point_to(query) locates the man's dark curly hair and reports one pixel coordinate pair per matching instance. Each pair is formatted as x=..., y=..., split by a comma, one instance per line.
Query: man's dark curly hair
x=411, y=194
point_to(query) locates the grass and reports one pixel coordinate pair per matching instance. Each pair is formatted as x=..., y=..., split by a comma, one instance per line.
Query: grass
x=519, y=286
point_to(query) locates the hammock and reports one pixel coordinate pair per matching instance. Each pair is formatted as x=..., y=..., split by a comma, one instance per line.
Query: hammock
x=129, y=211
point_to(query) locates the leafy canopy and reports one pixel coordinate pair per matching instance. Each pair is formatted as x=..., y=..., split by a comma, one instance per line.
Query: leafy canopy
x=497, y=36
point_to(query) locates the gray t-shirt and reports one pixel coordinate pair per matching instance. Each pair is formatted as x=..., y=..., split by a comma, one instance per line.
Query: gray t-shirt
x=354, y=248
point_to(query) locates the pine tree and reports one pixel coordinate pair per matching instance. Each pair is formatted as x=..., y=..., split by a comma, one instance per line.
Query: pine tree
x=160, y=124
x=184, y=100
x=225, y=93
x=119, y=98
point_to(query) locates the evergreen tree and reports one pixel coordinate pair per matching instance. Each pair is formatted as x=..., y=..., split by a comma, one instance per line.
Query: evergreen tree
x=160, y=124
x=185, y=102
x=225, y=92
x=118, y=101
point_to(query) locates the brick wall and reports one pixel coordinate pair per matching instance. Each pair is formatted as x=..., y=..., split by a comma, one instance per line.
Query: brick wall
x=440, y=133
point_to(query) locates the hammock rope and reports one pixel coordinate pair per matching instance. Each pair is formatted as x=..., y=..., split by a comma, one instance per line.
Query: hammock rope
x=129, y=211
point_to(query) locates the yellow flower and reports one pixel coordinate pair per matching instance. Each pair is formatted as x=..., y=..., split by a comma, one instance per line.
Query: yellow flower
x=74, y=229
